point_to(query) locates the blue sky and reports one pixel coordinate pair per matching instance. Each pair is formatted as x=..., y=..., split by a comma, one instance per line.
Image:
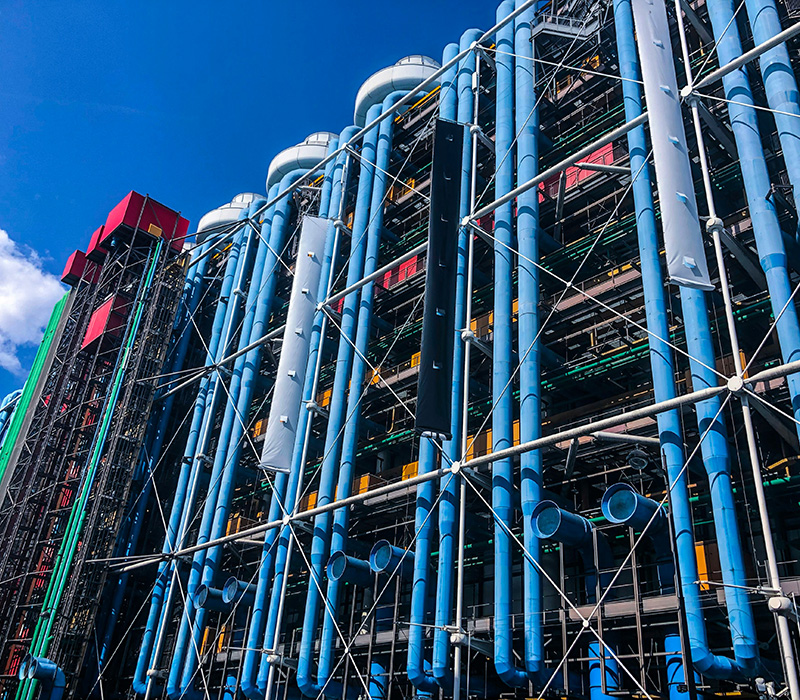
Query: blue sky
x=187, y=102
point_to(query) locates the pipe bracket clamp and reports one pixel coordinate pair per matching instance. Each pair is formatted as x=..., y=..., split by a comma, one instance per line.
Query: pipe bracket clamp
x=780, y=605
x=735, y=385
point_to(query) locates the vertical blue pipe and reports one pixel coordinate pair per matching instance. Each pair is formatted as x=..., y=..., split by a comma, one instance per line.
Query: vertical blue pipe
x=327, y=482
x=442, y=667
x=661, y=360
x=339, y=190
x=502, y=349
x=780, y=84
x=358, y=370
x=190, y=298
x=744, y=122
x=190, y=468
x=205, y=563
x=256, y=637
x=676, y=676
x=530, y=424
x=596, y=673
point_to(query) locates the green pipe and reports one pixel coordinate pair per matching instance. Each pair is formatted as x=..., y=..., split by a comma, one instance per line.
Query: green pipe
x=40, y=641
x=29, y=389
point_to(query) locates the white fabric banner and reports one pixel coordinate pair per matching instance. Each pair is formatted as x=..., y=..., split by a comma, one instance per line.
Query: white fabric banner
x=683, y=238
x=287, y=396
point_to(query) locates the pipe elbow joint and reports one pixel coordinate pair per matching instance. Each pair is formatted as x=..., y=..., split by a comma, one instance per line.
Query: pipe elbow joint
x=510, y=675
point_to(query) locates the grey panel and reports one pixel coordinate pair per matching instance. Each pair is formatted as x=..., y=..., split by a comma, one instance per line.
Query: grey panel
x=288, y=392
x=683, y=239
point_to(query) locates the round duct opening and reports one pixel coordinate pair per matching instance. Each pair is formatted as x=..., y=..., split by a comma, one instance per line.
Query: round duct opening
x=547, y=520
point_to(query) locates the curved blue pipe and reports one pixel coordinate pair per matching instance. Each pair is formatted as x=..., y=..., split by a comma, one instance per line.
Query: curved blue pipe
x=257, y=636
x=661, y=359
x=442, y=666
x=190, y=468
x=205, y=563
x=327, y=482
x=358, y=370
x=744, y=122
x=502, y=350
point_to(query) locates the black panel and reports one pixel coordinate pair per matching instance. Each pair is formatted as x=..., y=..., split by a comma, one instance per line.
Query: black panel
x=435, y=389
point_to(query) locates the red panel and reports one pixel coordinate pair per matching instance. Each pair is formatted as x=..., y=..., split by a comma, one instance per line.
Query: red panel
x=74, y=269
x=106, y=321
x=95, y=251
x=150, y=216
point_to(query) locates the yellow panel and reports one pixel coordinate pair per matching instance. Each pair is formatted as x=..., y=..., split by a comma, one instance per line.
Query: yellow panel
x=154, y=230
x=702, y=565
x=415, y=359
x=410, y=470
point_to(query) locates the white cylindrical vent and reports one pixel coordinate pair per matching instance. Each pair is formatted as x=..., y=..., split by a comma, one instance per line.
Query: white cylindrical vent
x=276, y=455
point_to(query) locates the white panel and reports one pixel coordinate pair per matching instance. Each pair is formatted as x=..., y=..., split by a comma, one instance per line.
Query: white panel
x=287, y=396
x=683, y=239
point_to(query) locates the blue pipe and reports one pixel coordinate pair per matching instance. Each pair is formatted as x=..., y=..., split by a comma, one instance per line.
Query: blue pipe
x=676, y=676
x=48, y=673
x=344, y=359
x=596, y=673
x=378, y=680
x=502, y=350
x=358, y=369
x=744, y=122
x=779, y=83
x=205, y=564
x=661, y=359
x=530, y=408
x=192, y=292
x=442, y=666
x=257, y=637
x=190, y=470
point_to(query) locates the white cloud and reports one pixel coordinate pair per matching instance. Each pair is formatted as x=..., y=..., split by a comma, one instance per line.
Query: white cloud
x=27, y=296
